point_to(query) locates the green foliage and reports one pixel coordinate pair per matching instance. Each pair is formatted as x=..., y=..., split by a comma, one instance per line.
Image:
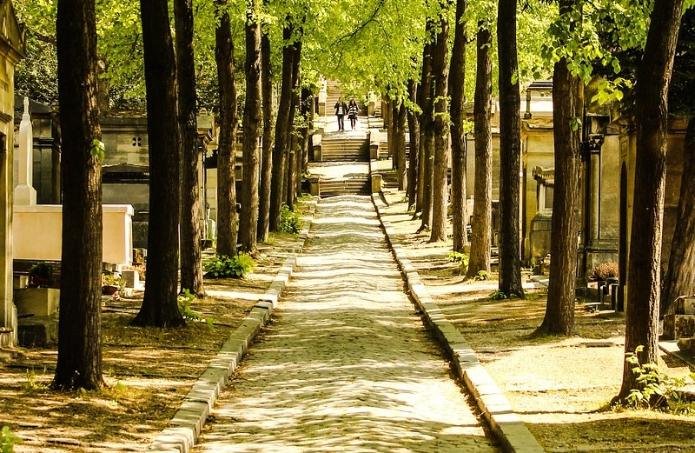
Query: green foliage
x=498, y=295
x=290, y=221
x=656, y=390
x=109, y=279
x=229, y=267
x=482, y=275
x=460, y=258
x=31, y=384
x=185, y=300
x=7, y=440
x=98, y=150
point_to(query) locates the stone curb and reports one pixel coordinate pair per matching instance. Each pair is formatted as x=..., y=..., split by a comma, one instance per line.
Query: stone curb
x=506, y=425
x=188, y=422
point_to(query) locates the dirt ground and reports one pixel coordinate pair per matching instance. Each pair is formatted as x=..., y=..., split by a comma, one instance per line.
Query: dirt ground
x=148, y=370
x=561, y=387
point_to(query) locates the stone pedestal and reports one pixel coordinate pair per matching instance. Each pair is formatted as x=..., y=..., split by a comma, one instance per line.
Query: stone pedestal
x=37, y=301
x=377, y=183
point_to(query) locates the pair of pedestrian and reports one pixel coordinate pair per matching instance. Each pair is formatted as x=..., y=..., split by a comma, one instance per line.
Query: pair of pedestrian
x=341, y=109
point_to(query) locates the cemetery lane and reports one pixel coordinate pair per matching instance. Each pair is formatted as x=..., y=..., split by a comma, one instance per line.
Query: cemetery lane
x=346, y=365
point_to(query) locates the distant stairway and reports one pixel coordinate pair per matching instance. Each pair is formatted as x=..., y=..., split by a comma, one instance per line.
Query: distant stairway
x=355, y=185
x=338, y=149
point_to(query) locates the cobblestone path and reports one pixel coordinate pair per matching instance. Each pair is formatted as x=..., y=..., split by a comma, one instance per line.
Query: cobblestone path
x=346, y=365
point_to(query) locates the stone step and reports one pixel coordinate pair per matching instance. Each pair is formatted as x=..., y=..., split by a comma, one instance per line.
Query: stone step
x=351, y=186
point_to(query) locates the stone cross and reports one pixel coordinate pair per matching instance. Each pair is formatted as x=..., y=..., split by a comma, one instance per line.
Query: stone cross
x=24, y=192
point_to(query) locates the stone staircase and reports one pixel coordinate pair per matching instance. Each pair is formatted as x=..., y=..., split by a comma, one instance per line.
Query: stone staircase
x=344, y=149
x=354, y=185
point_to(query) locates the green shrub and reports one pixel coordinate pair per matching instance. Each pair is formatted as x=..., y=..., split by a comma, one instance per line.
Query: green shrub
x=7, y=440
x=605, y=270
x=461, y=258
x=229, y=267
x=185, y=309
x=482, y=275
x=498, y=295
x=290, y=222
x=656, y=390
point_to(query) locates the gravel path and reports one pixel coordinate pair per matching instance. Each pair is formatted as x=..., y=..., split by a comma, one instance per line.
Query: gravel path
x=346, y=365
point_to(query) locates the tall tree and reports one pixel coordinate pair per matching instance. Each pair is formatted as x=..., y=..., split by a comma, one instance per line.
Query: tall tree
x=252, y=119
x=651, y=107
x=267, y=140
x=191, y=254
x=414, y=132
x=427, y=132
x=227, y=216
x=160, y=305
x=282, y=126
x=457, y=88
x=79, y=326
x=680, y=278
x=399, y=121
x=440, y=74
x=292, y=141
x=510, y=151
x=481, y=239
x=423, y=91
x=568, y=107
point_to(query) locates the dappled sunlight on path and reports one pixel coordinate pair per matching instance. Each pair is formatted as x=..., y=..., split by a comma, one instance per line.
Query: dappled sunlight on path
x=347, y=364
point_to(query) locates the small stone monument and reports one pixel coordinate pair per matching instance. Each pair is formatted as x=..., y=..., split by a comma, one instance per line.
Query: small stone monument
x=24, y=192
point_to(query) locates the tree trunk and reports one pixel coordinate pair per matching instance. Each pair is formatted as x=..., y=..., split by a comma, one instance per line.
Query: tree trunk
x=457, y=87
x=568, y=107
x=680, y=278
x=400, y=115
x=292, y=139
x=481, y=240
x=227, y=216
x=440, y=72
x=79, y=326
x=252, y=118
x=651, y=106
x=391, y=132
x=267, y=152
x=281, y=128
x=191, y=254
x=426, y=125
x=510, y=151
x=414, y=131
x=423, y=91
x=160, y=305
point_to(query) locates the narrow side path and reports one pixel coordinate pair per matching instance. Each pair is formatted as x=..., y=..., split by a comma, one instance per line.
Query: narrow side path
x=347, y=364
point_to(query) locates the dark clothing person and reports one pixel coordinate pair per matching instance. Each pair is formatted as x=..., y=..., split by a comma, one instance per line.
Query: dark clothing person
x=352, y=114
x=340, y=111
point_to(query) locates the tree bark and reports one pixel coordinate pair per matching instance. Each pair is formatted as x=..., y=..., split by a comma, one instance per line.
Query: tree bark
x=79, y=326
x=191, y=254
x=160, y=305
x=227, y=216
x=252, y=118
x=440, y=73
x=282, y=127
x=510, y=151
x=644, y=265
x=426, y=124
x=400, y=117
x=568, y=107
x=680, y=278
x=267, y=151
x=292, y=138
x=481, y=240
x=423, y=91
x=457, y=87
x=414, y=131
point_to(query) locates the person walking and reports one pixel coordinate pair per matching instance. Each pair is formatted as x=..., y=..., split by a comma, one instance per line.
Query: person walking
x=352, y=113
x=340, y=111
